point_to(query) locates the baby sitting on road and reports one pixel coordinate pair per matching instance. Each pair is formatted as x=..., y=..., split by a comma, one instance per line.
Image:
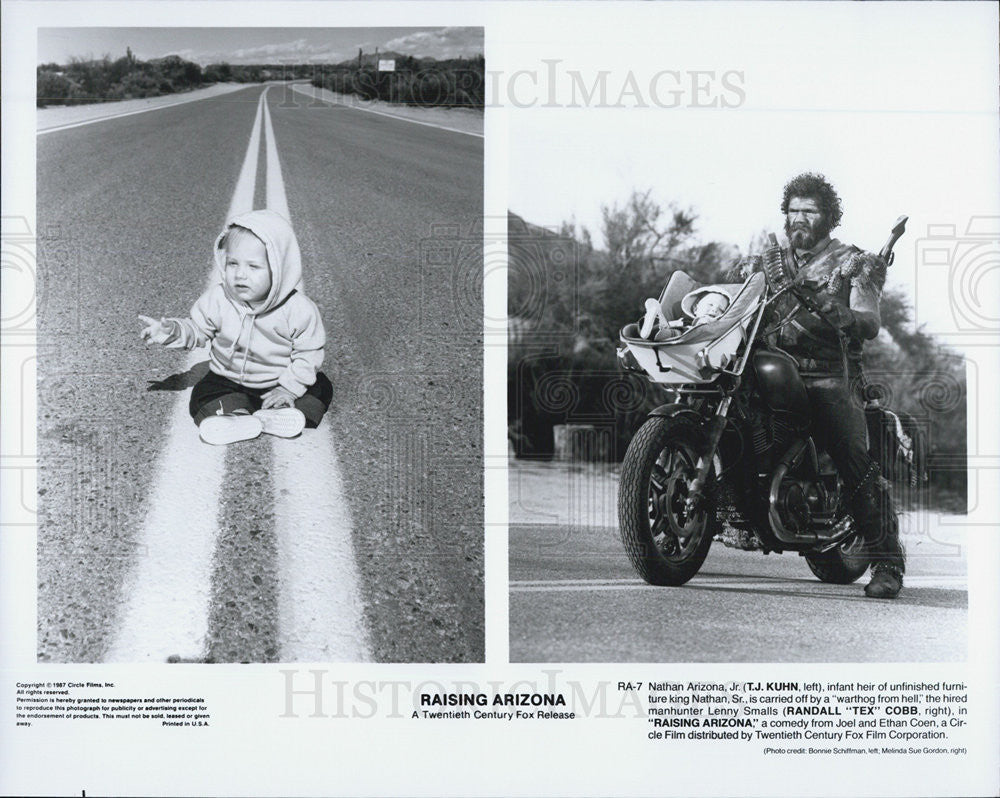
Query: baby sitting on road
x=266, y=337
x=699, y=306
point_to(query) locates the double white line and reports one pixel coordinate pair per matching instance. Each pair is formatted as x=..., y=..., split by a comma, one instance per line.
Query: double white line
x=320, y=615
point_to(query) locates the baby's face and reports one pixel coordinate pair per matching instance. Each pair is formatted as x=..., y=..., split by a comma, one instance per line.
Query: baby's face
x=711, y=306
x=248, y=274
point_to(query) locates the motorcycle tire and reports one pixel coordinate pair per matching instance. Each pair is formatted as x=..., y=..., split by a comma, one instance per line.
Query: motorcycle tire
x=665, y=545
x=841, y=566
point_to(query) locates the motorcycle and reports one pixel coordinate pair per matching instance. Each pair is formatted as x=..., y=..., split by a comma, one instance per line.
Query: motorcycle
x=736, y=434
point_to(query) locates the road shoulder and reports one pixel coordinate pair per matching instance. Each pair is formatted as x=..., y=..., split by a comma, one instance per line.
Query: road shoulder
x=461, y=120
x=61, y=116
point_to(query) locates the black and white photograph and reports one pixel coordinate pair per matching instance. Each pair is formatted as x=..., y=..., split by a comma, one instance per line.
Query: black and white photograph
x=259, y=368
x=729, y=359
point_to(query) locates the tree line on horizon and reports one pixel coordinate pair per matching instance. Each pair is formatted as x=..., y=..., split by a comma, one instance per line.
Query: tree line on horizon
x=88, y=80
x=454, y=82
x=427, y=81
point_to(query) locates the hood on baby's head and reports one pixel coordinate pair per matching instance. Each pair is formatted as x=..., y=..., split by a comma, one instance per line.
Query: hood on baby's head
x=283, y=256
x=691, y=298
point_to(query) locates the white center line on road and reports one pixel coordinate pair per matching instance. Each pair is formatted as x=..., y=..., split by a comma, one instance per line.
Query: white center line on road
x=274, y=197
x=167, y=596
x=320, y=614
x=247, y=182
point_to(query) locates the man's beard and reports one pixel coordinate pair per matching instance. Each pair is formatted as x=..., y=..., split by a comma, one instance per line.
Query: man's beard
x=802, y=235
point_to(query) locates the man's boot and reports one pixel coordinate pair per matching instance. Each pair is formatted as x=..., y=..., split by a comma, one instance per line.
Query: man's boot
x=886, y=581
x=876, y=518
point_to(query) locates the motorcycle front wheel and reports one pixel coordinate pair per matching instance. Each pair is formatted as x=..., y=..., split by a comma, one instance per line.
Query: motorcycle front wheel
x=842, y=565
x=665, y=540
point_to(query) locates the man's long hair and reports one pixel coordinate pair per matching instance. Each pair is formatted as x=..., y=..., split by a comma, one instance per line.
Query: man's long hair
x=810, y=185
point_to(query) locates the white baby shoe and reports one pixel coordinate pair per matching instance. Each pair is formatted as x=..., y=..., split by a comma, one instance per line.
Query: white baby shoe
x=229, y=428
x=285, y=422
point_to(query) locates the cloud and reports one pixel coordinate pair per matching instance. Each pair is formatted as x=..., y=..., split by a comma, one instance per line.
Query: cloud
x=317, y=49
x=298, y=51
x=441, y=43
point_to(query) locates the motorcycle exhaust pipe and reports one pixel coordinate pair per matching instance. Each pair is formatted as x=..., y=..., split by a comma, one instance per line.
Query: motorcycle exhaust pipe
x=802, y=447
x=791, y=459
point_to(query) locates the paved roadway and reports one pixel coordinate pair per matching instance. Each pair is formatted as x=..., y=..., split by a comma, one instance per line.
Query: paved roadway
x=361, y=540
x=575, y=598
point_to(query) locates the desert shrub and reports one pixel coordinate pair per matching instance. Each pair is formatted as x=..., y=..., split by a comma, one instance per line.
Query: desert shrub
x=53, y=88
x=457, y=82
x=96, y=80
x=217, y=73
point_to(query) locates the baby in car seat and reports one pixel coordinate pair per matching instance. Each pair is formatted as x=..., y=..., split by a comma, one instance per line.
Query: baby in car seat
x=702, y=305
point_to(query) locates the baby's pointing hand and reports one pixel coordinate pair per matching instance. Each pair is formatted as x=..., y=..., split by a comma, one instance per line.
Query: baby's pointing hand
x=155, y=331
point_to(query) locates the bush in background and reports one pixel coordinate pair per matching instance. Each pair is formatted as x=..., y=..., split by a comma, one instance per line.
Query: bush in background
x=567, y=302
x=97, y=80
x=457, y=82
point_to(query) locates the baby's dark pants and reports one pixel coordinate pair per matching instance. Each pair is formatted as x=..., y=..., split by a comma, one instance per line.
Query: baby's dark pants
x=213, y=393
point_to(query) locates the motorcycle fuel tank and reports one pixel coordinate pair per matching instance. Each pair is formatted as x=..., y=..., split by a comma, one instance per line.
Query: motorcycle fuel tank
x=780, y=386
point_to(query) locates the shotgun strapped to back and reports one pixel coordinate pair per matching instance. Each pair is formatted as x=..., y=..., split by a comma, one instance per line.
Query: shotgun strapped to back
x=896, y=440
x=898, y=229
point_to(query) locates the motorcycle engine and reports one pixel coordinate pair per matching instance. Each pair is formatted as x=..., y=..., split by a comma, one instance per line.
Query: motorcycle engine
x=770, y=434
x=799, y=501
x=806, y=501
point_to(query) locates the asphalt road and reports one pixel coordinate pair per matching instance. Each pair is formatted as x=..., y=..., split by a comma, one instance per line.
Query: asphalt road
x=575, y=598
x=387, y=216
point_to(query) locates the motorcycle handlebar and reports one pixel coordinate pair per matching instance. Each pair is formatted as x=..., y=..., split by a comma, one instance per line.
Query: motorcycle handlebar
x=809, y=304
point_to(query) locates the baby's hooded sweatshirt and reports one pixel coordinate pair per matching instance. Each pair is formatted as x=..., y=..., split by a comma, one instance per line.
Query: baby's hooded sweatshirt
x=278, y=341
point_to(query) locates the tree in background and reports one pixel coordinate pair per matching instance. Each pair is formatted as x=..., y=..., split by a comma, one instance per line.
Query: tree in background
x=456, y=82
x=88, y=80
x=218, y=73
x=912, y=373
x=637, y=233
x=578, y=316
x=644, y=244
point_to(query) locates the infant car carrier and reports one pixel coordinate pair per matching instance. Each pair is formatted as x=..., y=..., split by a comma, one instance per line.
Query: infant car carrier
x=699, y=354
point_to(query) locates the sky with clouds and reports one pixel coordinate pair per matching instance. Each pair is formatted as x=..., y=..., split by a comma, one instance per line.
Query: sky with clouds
x=255, y=45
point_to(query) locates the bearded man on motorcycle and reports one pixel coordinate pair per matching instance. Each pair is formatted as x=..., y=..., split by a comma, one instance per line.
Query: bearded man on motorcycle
x=823, y=328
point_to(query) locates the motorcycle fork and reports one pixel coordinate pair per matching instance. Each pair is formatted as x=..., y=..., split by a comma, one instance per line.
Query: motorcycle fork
x=716, y=427
x=696, y=492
